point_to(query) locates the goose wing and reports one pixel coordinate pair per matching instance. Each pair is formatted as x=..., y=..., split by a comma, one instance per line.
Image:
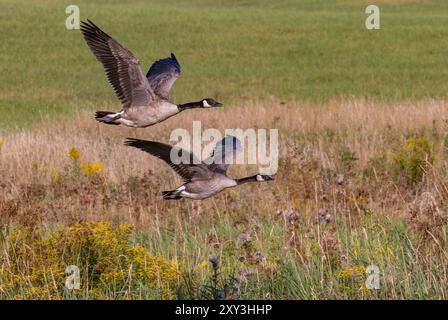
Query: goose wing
x=123, y=70
x=224, y=154
x=188, y=171
x=162, y=75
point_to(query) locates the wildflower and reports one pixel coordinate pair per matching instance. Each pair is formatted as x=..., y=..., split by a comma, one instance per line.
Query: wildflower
x=99, y=246
x=2, y=142
x=54, y=174
x=74, y=154
x=294, y=216
x=390, y=251
x=339, y=179
x=220, y=295
x=290, y=214
x=325, y=216
x=352, y=272
x=214, y=261
x=90, y=169
x=414, y=158
x=384, y=250
x=245, y=273
x=244, y=238
x=355, y=252
x=202, y=265
x=259, y=257
x=285, y=212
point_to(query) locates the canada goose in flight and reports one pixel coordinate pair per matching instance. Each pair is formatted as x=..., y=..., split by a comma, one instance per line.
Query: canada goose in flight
x=202, y=179
x=144, y=100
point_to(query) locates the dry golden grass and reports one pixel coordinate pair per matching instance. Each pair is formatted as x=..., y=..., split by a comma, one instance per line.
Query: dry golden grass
x=367, y=129
x=364, y=127
x=357, y=164
x=307, y=133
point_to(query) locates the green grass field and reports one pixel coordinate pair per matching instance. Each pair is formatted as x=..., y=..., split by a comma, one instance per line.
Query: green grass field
x=233, y=50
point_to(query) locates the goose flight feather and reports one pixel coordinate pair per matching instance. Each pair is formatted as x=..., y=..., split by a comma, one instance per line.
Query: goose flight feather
x=191, y=171
x=122, y=68
x=144, y=99
x=202, y=180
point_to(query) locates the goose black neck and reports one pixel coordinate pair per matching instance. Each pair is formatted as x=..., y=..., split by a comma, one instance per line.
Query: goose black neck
x=246, y=179
x=189, y=105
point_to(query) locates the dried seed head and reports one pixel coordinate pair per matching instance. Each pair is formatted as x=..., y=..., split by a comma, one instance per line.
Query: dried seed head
x=214, y=261
x=259, y=257
x=244, y=238
x=339, y=179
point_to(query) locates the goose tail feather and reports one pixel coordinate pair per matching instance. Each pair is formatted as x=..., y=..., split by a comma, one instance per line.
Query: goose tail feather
x=171, y=195
x=107, y=117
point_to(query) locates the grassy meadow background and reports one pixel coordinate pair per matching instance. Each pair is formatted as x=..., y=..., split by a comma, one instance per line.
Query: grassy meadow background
x=362, y=178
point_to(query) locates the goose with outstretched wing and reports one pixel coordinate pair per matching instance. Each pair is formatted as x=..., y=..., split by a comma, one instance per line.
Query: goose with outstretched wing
x=203, y=179
x=144, y=99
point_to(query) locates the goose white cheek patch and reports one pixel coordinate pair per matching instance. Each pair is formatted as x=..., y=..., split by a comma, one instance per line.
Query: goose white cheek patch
x=205, y=104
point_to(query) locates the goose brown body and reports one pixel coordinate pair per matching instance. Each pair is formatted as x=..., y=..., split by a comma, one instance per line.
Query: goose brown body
x=202, y=179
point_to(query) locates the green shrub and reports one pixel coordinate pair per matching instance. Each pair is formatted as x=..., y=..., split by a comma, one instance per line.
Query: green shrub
x=413, y=158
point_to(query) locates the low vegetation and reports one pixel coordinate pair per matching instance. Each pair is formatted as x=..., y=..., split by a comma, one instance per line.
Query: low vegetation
x=363, y=170
x=360, y=183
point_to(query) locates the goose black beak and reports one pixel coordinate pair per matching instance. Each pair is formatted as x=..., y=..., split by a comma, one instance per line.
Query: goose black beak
x=218, y=104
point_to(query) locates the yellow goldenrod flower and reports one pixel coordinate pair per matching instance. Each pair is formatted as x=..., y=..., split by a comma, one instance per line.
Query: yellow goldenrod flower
x=353, y=272
x=390, y=251
x=355, y=252
x=54, y=174
x=90, y=169
x=201, y=266
x=74, y=154
x=414, y=157
x=102, y=247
